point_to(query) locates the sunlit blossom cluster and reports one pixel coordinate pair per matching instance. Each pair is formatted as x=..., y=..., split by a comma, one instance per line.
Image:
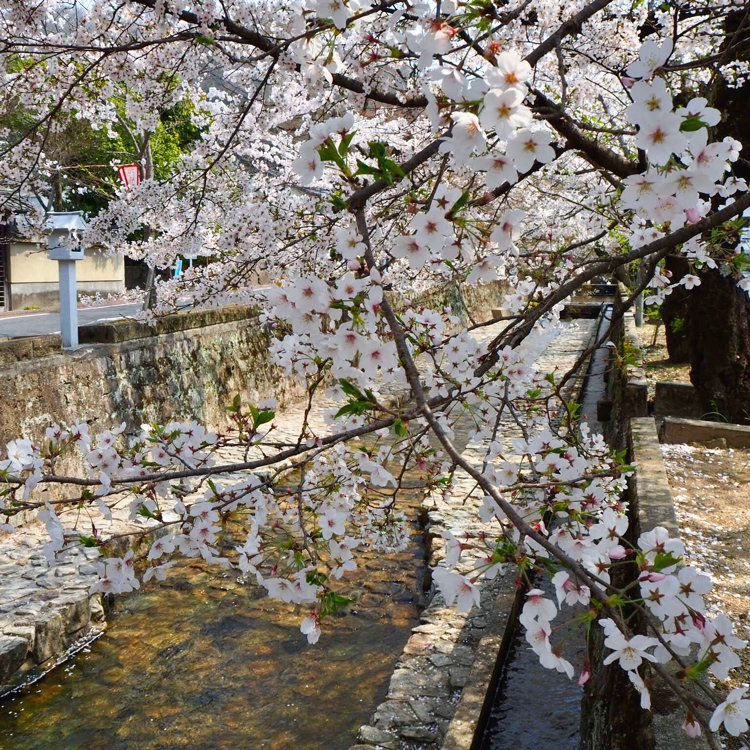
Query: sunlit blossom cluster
x=348, y=157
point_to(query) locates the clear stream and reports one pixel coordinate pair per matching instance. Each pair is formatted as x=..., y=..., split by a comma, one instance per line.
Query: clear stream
x=535, y=708
x=201, y=661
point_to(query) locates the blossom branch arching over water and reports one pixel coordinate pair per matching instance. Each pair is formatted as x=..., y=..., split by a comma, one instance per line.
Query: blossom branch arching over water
x=356, y=154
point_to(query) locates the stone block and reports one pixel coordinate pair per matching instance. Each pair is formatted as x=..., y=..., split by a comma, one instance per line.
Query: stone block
x=15, y=350
x=458, y=676
x=419, y=733
x=635, y=399
x=378, y=737
x=419, y=643
x=440, y=660
x=49, y=638
x=12, y=655
x=393, y=714
x=649, y=487
x=653, y=501
x=406, y=684
x=424, y=710
x=678, y=430
x=75, y=612
x=28, y=632
x=127, y=330
x=677, y=400
x=96, y=608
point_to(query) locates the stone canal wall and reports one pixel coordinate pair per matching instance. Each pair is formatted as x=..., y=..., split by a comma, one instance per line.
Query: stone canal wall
x=189, y=366
x=140, y=374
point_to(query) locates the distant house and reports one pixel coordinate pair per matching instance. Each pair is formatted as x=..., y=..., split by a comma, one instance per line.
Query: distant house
x=28, y=278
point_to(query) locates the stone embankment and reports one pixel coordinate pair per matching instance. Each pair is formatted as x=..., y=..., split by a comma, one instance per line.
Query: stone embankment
x=44, y=609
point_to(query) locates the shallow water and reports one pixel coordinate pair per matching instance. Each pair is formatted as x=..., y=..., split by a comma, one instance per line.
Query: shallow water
x=205, y=661
x=535, y=708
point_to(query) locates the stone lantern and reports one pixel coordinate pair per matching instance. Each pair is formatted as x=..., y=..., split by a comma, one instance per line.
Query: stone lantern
x=64, y=247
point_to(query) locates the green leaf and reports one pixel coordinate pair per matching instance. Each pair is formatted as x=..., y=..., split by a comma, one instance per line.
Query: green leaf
x=328, y=152
x=460, y=203
x=696, y=670
x=691, y=124
x=665, y=560
x=87, y=541
x=616, y=600
x=363, y=168
x=331, y=602
x=377, y=149
x=338, y=201
x=390, y=166
x=350, y=389
x=346, y=142
x=574, y=409
x=354, y=408
x=316, y=578
x=264, y=416
x=400, y=428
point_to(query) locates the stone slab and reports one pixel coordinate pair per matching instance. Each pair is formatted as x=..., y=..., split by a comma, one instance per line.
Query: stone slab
x=680, y=430
x=677, y=400
x=650, y=487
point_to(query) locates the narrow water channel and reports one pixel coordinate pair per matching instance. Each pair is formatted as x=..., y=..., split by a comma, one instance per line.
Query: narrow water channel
x=205, y=661
x=535, y=708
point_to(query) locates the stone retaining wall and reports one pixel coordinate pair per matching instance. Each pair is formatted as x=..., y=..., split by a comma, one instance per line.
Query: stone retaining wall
x=189, y=366
x=651, y=499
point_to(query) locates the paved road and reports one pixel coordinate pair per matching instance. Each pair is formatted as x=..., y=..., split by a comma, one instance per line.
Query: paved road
x=34, y=324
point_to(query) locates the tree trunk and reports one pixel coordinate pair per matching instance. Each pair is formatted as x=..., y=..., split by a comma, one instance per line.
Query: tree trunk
x=719, y=330
x=718, y=320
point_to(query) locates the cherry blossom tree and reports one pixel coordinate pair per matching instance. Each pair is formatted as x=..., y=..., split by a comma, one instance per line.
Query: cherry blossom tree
x=349, y=148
